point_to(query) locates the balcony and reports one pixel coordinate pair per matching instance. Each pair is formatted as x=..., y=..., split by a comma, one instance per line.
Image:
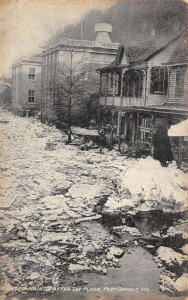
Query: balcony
x=117, y=101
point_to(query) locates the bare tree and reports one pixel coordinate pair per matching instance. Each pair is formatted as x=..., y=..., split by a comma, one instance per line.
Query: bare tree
x=69, y=90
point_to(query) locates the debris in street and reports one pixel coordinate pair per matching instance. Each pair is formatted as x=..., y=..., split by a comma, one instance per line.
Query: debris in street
x=115, y=251
x=92, y=218
x=170, y=257
x=62, y=196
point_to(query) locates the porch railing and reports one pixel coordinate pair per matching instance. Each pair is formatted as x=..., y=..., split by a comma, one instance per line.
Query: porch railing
x=117, y=101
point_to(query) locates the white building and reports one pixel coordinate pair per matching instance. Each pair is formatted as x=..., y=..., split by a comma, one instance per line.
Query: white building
x=99, y=52
x=26, y=85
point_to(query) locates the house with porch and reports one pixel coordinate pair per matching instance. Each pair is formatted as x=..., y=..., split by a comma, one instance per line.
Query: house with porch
x=143, y=93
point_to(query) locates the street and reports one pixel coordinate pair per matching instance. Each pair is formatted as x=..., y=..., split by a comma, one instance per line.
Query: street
x=52, y=197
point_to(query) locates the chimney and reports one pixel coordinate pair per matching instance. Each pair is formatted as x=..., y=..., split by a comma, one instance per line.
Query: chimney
x=102, y=32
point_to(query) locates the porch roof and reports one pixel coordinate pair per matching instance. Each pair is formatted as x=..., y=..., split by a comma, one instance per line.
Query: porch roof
x=113, y=67
x=175, y=109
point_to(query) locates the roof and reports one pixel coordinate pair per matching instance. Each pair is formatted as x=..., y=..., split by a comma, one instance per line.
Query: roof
x=130, y=52
x=142, y=52
x=155, y=46
x=136, y=51
x=22, y=60
x=73, y=43
x=180, y=53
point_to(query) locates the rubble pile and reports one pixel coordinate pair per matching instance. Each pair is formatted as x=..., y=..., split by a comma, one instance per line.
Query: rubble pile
x=173, y=278
x=146, y=185
x=53, y=191
x=54, y=194
x=153, y=202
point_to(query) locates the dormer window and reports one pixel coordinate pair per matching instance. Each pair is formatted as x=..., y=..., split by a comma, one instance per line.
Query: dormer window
x=159, y=80
x=32, y=73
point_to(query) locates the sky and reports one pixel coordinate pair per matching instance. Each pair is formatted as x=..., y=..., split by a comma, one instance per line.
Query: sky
x=25, y=25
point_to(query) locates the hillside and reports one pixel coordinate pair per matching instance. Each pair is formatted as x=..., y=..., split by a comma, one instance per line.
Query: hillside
x=132, y=20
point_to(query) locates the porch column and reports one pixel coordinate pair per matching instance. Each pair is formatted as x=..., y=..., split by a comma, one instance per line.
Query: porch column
x=121, y=88
x=152, y=135
x=119, y=123
x=114, y=76
x=106, y=94
x=168, y=88
x=98, y=117
x=125, y=126
x=101, y=74
x=133, y=126
x=112, y=130
x=121, y=84
x=145, y=72
x=137, y=125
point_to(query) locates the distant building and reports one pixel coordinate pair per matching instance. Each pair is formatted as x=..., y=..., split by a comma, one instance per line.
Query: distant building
x=26, y=85
x=143, y=93
x=101, y=52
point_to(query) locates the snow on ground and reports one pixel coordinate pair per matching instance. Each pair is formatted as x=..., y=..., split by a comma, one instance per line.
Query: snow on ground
x=148, y=185
x=52, y=185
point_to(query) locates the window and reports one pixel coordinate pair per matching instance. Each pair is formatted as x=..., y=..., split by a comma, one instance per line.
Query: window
x=179, y=91
x=32, y=73
x=144, y=128
x=133, y=83
x=114, y=80
x=117, y=80
x=110, y=84
x=31, y=96
x=159, y=80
